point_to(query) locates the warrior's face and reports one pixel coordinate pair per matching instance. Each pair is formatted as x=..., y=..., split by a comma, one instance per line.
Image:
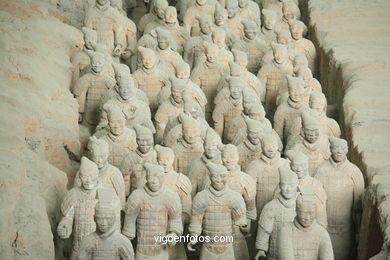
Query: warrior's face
x=163, y=42
x=306, y=214
x=296, y=32
x=154, y=180
x=230, y=160
x=190, y=134
x=166, y=161
x=100, y=157
x=149, y=61
x=254, y=136
x=89, y=179
x=117, y=127
x=144, y=144
x=339, y=152
x=250, y=32
x=126, y=89
x=288, y=189
x=105, y=220
x=270, y=149
x=311, y=134
x=301, y=168
x=218, y=180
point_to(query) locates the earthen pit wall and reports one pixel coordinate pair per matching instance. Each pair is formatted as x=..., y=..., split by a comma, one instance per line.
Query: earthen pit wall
x=352, y=39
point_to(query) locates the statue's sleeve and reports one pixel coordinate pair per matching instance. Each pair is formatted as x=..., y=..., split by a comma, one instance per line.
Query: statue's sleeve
x=262, y=75
x=358, y=190
x=174, y=213
x=284, y=243
x=279, y=122
x=80, y=92
x=185, y=188
x=265, y=227
x=77, y=181
x=86, y=248
x=239, y=211
x=218, y=119
x=325, y=248
x=187, y=22
x=195, y=76
x=119, y=186
x=131, y=213
x=198, y=209
x=193, y=173
x=250, y=196
x=125, y=250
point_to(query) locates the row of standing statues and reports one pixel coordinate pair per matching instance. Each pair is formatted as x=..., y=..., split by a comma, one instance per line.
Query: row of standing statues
x=206, y=120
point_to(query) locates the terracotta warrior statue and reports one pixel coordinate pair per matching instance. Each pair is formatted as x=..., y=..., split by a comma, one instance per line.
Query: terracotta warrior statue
x=189, y=147
x=207, y=74
x=299, y=61
x=122, y=71
x=170, y=108
x=275, y=214
x=265, y=170
x=245, y=185
x=132, y=165
x=312, y=143
x=214, y=213
x=198, y=171
x=234, y=19
x=250, y=10
x=106, y=241
x=344, y=185
x=304, y=238
x=179, y=34
x=152, y=211
x=283, y=37
x=219, y=37
x=253, y=45
x=273, y=74
x=173, y=130
x=150, y=78
x=78, y=206
x=299, y=164
x=130, y=39
x=109, y=176
x=168, y=57
x=288, y=9
x=121, y=140
x=267, y=29
x=220, y=17
x=250, y=149
x=194, y=48
x=135, y=111
x=277, y=7
x=191, y=22
x=293, y=107
x=301, y=44
x=89, y=89
x=106, y=21
x=180, y=184
x=156, y=14
x=229, y=108
x=81, y=60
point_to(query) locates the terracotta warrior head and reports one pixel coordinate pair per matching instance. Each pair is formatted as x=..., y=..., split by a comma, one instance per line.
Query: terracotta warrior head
x=230, y=157
x=170, y=15
x=178, y=87
x=296, y=88
x=201, y=2
x=212, y=144
x=183, y=71
x=338, y=148
x=249, y=99
x=270, y=145
x=90, y=37
x=145, y=140
x=190, y=129
x=254, y=130
x=105, y=215
x=205, y=23
x=220, y=15
x=240, y=57
x=318, y=102
x=116, y=119
x=126, y=87
x=159, y=8
x=236, y=85
x=250, y=29
x=148, y=57
x=212, y=52
x=98, y=151
x=256, y=112
x=299, y=61
x=97, y=62
x=306, y=210
x=305, y=74
x=269, y=19
x=163, y=38
x=154, y=176
x=279, y=52
x=89, y=174
x=297, y=29
x=218, y=36
x=165, y=157
x=299, y=163
x=236, y=70
x=121, y=70
x=284, y=37
x=310, y=127
x=243, y=3
x=232, y=8
x=218, y=175
x=288, y=183
x=288, y=10
x=102, y=2
x=191, y=107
